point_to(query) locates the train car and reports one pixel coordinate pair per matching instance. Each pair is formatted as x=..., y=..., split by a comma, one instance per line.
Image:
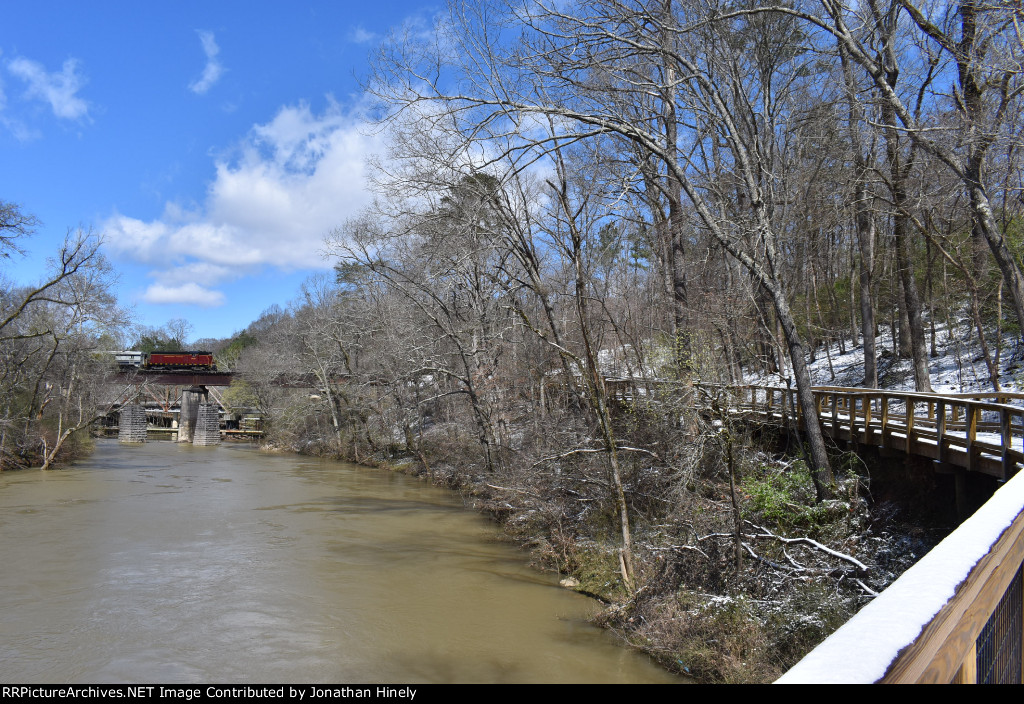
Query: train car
x=193, y=361
x=128, y=358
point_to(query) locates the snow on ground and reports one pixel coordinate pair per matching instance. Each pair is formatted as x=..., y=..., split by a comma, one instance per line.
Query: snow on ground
x=958, y=368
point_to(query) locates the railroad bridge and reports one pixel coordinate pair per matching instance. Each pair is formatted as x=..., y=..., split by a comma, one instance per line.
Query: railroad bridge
x=195, y=395
x=187, y=389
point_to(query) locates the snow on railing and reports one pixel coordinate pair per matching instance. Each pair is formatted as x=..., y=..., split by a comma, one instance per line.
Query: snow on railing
x=955, y=616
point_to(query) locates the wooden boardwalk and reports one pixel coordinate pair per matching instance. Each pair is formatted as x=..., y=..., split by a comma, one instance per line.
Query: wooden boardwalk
x=980, y=432
x=956, y=616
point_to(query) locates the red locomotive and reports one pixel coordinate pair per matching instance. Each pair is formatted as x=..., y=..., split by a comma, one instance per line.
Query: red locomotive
x=195, y=361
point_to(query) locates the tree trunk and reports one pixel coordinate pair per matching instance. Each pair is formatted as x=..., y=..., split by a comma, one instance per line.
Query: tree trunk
x=673, y=192
x=864, y=217
x=898, y=173
x=821, y=470
x=866, y=243
x=981, y=208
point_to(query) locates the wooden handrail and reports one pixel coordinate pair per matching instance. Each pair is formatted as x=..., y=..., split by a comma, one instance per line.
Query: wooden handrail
x=954, y=428
x=948, y=432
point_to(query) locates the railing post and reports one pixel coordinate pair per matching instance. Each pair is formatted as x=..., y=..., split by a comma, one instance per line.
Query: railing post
x=972, y=434
x=1004, y=430
x=853, y=419
x=867, y=419
x=940, y=430
x=885, y=419
x=909, y=422
x=968, y=672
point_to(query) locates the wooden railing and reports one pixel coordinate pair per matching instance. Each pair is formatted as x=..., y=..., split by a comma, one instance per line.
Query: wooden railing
x=981, y=432
x=955, y=616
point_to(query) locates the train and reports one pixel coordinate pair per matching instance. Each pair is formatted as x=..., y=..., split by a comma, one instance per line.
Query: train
x=199, y=361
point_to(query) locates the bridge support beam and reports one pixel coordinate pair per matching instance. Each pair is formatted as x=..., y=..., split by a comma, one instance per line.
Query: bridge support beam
x=131, y=428
x=962, y=512
x=207, y=429
x=190, y=400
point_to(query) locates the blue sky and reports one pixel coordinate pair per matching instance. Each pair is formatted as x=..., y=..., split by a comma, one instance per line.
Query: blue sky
x=213, y=144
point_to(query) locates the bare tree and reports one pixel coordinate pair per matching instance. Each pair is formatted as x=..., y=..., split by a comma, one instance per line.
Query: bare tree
x=444, y=262
x=180, y=331
x=576, y=66
x=51, y=384
x=987, y=56
x=14, y=225
x=864, y=217
x=901, y=164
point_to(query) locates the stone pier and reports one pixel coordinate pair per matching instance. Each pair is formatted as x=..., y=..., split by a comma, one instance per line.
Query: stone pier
x=131, y=428
x=207, y=429
x=191, y=398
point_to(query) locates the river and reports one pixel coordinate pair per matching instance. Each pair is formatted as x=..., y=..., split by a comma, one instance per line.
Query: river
x=176, y=563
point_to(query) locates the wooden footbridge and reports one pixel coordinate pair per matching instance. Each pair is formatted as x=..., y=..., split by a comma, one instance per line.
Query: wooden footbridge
x=979, y=432
x=957, y=616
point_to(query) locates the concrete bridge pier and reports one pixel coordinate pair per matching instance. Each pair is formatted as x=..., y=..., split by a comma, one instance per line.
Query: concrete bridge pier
x=191, y=398
x=131, y=428
x=207, y=429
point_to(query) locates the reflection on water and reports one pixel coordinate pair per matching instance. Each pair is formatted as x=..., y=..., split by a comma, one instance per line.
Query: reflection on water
x=179, y=564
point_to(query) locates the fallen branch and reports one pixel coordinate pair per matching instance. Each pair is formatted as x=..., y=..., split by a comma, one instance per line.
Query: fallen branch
x=774, y=565
x=866, y=588
x=813, y=543
x=591, y=450
x=518, y=491
x=623, y=448
x=796, y=565
x=578, y=451
x=669, y=548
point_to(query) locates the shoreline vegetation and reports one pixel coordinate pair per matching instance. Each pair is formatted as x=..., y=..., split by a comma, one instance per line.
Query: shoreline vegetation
x=704, y=605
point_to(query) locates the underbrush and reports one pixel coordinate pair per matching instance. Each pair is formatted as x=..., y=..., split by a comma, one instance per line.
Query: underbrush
x=734, y=638
x=32, y=452
x=733, y=581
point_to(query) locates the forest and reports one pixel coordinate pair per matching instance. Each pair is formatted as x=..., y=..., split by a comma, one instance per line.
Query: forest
x=674, y=192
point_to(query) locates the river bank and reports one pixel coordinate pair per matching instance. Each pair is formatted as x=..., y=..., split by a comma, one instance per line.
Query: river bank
x=720, y=595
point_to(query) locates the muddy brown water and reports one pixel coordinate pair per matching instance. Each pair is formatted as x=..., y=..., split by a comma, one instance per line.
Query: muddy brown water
x=179, y=564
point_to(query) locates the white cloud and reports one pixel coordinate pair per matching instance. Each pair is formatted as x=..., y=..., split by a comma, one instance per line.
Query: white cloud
x=289, y=183
x=205, y=272
x=213, y=69
x=59, y=89
x=361, y=35
x=21, y=131
x=190, y=293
